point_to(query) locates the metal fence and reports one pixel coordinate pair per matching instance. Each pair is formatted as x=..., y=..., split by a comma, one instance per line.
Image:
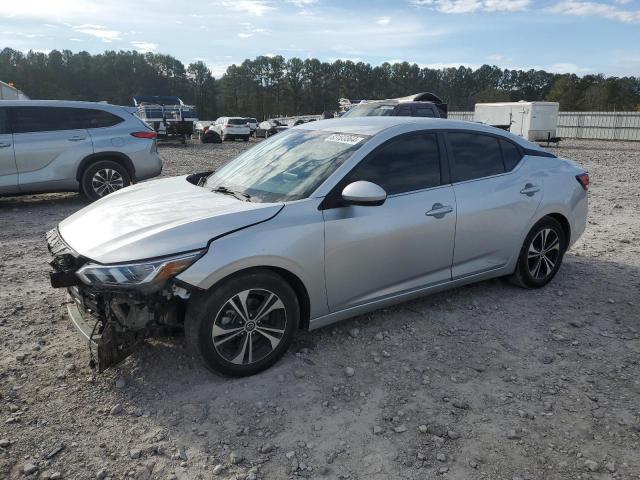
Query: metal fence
x=588, y=125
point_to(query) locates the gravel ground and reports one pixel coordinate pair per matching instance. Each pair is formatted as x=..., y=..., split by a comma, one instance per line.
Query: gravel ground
x=485, y=382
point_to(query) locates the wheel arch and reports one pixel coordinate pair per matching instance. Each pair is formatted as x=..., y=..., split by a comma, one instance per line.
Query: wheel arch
x=291, y=278
x=564, y=223
x=117, y=157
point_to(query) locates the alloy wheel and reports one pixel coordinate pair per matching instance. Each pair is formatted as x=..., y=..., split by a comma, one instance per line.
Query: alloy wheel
x=543, y=253
x=106, y=180
x=249, y=326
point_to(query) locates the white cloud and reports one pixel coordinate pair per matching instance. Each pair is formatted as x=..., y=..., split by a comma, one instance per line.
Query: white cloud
x=145, y=47
x=567, y=68
x=495, y=57
x=469, y=6
x=244, y=35
x=302, y=3
x=439, y=66
x=384, y=21
x=584, y=9
x=253, y=7
x=98, y=31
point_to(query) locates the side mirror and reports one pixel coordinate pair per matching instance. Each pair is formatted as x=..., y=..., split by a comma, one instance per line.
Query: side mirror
x=364, y=193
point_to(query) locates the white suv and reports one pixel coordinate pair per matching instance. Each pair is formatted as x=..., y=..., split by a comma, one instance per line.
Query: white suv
x=232, y=128
x=61, y=146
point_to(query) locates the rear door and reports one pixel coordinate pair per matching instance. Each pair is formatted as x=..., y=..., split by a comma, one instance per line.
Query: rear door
x=374, y=252
x=497, y=194
x=8, y=168
x=48, y=145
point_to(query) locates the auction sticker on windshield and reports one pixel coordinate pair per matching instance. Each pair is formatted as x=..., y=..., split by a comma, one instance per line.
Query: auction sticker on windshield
x=343, y=138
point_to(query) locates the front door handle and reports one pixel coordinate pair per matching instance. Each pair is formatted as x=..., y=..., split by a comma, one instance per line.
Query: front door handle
x=5, y=145
x=530, y=189
x=438, y=210
x=77, y=138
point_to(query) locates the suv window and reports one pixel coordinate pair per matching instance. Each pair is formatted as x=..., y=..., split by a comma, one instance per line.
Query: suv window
x=474, y=156
x=403, y=165
x=236, y=121
x=511, y=154
x=404, y=111
x=43, y=119
x=424, y=111
x=92, y=118
x=3, y=121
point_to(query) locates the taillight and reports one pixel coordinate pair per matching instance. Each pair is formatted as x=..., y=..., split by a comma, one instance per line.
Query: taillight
x=583, y=180
x=147, y=134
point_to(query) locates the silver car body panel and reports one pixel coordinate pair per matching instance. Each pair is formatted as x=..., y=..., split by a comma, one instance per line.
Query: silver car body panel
x=49, y=161
x=157, y=218
x=8, y=167
x=351, y=259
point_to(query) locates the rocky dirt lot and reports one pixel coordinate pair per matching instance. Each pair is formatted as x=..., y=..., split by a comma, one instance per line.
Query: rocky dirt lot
x=483, y=382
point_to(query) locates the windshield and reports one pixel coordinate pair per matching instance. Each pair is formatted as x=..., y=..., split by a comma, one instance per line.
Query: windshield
x=288, y=166
x=370, y=110
x=236, y=121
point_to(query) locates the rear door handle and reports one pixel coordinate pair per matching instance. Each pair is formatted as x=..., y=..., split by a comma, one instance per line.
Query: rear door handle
x=5, y=145
x=77, y=138
x=438, y=210
x=530, y=189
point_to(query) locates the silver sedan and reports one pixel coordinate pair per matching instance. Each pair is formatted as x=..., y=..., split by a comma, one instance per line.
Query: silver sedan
x=322, y=222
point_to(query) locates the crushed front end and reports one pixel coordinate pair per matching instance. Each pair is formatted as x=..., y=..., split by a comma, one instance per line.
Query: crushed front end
x=116, y=307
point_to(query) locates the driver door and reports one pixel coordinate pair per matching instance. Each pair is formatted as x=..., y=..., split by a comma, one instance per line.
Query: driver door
x=375, y=252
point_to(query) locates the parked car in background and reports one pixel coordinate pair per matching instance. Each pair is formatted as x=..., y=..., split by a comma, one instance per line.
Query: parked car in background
x=206, y=134
x=322, y=222
x=419, y=105
x=230, y=128
x=269, y=128
x=253, y=124
x=58, y=146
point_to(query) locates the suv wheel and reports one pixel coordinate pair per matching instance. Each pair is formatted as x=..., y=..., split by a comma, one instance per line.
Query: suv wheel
x=541, y=254
x=243, y=325
x=102, y=178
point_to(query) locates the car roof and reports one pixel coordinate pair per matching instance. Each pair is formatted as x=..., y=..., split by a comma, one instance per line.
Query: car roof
x=54, y=103
x=374, y=125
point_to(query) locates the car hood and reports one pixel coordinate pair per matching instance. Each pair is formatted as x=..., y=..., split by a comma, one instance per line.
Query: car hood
x=157, y=218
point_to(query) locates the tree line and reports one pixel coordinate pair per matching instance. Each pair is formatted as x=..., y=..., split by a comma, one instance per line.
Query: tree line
x=275, y=86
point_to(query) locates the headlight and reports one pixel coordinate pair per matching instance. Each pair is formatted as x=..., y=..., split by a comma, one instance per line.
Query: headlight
x=148, y=273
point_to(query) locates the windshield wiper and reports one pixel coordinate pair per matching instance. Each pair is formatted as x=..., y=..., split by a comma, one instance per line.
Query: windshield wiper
x=236, y=193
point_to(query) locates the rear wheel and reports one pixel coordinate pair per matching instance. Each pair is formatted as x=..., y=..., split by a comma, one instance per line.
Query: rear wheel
x=541, y=254
x=244, y=325
x=102, y=178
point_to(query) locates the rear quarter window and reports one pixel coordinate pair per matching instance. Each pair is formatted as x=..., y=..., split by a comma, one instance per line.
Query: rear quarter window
x=511, y=155
x=93, y=118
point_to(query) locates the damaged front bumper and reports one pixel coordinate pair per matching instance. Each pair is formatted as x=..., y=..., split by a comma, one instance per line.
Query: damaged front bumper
x=107, y=345
x=114, y=322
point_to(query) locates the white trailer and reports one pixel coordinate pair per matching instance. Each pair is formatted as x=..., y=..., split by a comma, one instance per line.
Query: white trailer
x=535, y=121
x=9, y=92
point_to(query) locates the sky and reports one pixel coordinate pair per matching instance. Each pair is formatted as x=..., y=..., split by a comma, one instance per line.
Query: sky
x=574, y=36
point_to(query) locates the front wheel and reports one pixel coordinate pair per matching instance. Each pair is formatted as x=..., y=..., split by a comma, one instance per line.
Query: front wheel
x=102, y=178
x=243, y=325
x=541, y=254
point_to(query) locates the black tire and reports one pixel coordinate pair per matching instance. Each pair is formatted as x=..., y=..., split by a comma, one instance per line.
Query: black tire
x=90, y=181
x=533, y=269
x=207, y=310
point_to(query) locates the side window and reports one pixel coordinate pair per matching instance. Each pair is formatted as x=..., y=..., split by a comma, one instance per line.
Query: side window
x=3, y=121
x=92, y=118
x=403, y=165
x=44, y=119
x=404, y=111
x=474, y=156
x=510, y=154
x=424, y=111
